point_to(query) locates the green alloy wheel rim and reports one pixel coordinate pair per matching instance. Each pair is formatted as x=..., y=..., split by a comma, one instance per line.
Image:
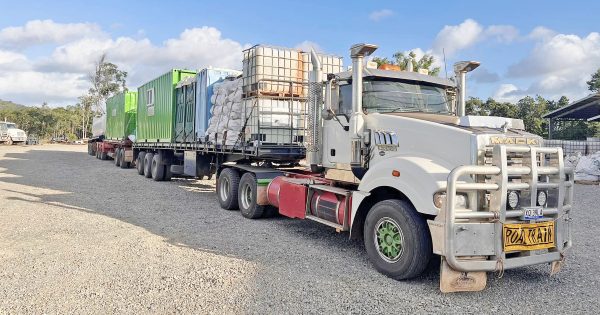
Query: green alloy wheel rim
x=389, y=239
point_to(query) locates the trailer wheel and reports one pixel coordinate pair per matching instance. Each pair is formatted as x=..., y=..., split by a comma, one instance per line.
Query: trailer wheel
x=148, y=164
x=117, y=157
x=247, y=197
x=168, y=173
x=90, y=150
x=158, y=168
x=397, y=239
x=227, y=189
x=97, y=154
x=103, y=156
x=139, y=163
x=122, y=162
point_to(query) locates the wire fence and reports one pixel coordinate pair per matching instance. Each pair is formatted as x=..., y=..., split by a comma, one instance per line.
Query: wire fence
x=571, y=147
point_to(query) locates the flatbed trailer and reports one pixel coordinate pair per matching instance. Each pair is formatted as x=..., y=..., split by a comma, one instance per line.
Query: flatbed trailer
x=120, y=151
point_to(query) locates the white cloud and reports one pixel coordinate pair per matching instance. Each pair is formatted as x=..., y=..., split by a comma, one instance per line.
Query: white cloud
x=33, y=88
x=380, y=14
x=46, y=32
x=542, y=33
x=559, y=64
x=61, y=76
x=453, y=38
x=502, y=33
x=13, y=61
x=508, y=93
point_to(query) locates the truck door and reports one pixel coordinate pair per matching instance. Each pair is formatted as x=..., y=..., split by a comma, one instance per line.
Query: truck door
x=336, y=131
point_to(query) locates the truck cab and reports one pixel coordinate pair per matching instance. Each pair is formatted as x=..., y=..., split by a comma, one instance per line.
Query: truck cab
x=481, y=192
x=9, y=133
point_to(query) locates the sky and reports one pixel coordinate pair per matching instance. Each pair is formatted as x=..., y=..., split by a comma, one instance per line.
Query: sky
x=49, y=48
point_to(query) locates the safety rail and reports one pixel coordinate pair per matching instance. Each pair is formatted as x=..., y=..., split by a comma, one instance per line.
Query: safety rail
x=492, y=218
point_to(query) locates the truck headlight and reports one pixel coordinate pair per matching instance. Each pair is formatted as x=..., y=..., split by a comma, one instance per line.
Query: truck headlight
x=542, y=198
x=513, y=199
x=461, y=200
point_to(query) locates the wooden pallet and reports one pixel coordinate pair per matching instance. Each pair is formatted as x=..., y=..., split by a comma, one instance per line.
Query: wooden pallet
x=587, y=182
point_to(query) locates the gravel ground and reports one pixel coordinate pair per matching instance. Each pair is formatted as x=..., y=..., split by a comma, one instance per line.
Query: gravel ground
x=78, y=235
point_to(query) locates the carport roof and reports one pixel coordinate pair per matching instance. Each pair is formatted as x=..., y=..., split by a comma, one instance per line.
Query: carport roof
x=587, y=108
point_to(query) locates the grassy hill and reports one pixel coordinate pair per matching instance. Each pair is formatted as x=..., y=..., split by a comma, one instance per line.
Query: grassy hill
x=10, y=105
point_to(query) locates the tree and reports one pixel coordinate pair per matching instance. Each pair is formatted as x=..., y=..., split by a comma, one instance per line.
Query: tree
x=594, y=83
x=402, y=59
x=107, y=80
x=531, y=110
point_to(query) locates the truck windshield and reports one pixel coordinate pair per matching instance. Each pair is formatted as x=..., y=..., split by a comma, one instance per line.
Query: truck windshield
x=11, y=126
x=398, y=97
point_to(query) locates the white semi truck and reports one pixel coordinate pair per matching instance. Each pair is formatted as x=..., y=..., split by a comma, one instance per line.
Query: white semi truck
x=9, y=133
x=390, y=157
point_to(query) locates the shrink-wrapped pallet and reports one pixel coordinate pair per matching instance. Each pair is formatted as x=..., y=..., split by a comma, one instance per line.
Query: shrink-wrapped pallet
x=227, y=114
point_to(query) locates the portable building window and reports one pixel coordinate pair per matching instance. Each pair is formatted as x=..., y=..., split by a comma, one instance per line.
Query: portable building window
x=150, y=97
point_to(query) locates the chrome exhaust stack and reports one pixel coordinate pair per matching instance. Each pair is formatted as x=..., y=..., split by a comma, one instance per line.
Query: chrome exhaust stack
x=357, y=52
x=460, y=70
x=315, y=100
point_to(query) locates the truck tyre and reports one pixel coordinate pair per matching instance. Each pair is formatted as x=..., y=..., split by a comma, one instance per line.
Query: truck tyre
x=9, y=141
x=158, y=168
x=168, y=173
x=397, y=239
x=122, y=162
x=247, y=197
x=148, y=164
x=103, y=156
x=90, y=150
x=139, y=163
x=97, y=154
x=227, y=189
x=117, y=157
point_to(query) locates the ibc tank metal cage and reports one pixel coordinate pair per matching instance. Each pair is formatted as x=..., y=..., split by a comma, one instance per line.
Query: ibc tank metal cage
x=267, y=70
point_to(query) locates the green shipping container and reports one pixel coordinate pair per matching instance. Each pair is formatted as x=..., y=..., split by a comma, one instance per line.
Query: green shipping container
x=121, y=115
x=157, y=107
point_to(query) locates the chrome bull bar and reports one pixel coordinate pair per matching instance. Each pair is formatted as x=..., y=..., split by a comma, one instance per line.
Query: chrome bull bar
x=462, y=234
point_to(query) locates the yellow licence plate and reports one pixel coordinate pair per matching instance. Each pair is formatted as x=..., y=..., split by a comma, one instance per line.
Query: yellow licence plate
x=530, y=236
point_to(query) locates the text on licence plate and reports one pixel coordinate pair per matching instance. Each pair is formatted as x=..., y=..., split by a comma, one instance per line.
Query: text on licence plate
x=530, y=236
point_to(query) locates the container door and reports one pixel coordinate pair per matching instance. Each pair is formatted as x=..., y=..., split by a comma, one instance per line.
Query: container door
x=180, y=114
x=190, y=104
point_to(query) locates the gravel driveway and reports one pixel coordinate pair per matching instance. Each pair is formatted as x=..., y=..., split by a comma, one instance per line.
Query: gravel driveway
x=78, y=235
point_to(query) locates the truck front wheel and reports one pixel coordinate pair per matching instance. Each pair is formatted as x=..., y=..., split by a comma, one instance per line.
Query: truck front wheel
x=397, y=239
x=227, y=189
x=247, y=197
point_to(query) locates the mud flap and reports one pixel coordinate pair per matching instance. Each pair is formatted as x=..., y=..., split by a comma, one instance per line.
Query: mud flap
x=556, y=266
x=457, y=281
